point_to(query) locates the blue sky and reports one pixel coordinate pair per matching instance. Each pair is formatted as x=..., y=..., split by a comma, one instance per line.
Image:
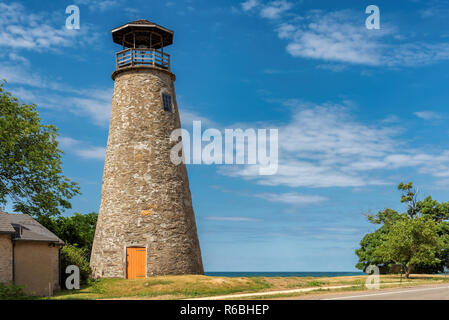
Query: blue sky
x=357, y=110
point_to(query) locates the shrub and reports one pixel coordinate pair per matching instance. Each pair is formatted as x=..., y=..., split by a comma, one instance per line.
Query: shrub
x=72, y=255
x=11, y=291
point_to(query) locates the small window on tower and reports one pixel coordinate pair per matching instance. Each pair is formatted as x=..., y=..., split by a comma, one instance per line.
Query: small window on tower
x=166, y=101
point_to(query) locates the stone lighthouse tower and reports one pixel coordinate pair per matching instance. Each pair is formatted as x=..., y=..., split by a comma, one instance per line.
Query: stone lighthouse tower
x=146, y=225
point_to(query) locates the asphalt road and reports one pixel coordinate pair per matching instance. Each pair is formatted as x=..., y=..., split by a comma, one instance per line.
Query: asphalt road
x=430, y=292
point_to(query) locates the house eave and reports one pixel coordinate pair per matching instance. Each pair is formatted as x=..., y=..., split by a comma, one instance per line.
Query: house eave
x=42, y=241
x=7, y=232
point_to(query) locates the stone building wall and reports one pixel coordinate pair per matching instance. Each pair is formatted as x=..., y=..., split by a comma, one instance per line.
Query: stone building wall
x=145, y=199
x=5, y=259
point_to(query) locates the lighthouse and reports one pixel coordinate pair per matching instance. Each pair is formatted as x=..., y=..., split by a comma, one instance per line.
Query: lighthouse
x=146, y=224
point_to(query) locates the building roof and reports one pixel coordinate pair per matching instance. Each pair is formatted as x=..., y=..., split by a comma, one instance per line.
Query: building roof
x=138, y=31
x=25, y=228
x=5, y=225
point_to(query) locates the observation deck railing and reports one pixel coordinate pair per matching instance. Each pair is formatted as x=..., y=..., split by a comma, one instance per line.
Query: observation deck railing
x=138, y=57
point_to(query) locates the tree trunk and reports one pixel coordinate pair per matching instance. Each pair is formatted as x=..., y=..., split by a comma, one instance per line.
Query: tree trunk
x=409, y=270
x=404, y=270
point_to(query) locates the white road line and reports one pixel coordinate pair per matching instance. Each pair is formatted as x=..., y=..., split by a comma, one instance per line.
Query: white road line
x=384, y=293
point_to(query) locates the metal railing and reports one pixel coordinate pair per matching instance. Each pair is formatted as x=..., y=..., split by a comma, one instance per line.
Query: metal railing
x=138, y=57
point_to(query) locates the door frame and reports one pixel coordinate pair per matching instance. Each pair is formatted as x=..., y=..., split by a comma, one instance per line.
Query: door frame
x=125, y=269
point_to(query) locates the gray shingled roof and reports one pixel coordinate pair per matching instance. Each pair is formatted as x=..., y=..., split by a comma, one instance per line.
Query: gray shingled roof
x=31, y=229
x=5, y=225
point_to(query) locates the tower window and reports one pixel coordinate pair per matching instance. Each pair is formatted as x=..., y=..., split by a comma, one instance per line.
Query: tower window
x=166, y=101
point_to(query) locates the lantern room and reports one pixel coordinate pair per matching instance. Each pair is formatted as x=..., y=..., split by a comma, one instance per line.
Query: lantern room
x=143, y=44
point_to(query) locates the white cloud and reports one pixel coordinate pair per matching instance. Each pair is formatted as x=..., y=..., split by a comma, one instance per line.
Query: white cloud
x=341, y=37
x=275, y=9
x=67, y=142
x=249, y=5
x=81, y=149
x=93, y=103
x=19, y=75
x=285, y=30
x=291, y=198
x=391, y=119
x=437, y=9
x=20, y=29
x=428, y=115
x=18, y=58
x=99, y=5
x=323, y=146
x=187, y=117
x=429, y=12
x=96, y=106
x=331, y=37
x=270, y=10
x=97, y=153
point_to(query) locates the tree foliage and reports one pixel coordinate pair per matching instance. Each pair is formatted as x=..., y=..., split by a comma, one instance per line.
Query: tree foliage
x=368, y=246
x=417, y=239
x=30, y=161
x=410, y=242
x=72, y=255
x=77, y=230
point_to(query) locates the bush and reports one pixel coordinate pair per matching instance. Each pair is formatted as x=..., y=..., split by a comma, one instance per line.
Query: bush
x=11, y=292
x=72, y=255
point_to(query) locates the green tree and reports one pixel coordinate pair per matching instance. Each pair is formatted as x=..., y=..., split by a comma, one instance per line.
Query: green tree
x=373, y=240
x=439, y=212
x=429, y=209
x=368, y=246
x=409, y=196
x=30, y=161
x=410, y=242
x=77, y=230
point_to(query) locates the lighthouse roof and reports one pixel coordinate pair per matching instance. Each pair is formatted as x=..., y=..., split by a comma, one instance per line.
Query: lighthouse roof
x=139, y=31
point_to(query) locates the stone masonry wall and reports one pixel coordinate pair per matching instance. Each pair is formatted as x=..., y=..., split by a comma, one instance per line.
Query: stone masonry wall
x=5, y=258
x=145, y=199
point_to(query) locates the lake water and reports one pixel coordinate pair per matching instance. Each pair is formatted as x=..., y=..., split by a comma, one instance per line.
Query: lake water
x=283, y=274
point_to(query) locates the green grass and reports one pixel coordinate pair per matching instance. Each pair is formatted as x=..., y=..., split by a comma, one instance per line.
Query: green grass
x=173, y=287
x=314, y=283
x=195, y=286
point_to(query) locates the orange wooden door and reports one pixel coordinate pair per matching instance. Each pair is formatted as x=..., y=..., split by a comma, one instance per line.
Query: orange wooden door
x=135, y=263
